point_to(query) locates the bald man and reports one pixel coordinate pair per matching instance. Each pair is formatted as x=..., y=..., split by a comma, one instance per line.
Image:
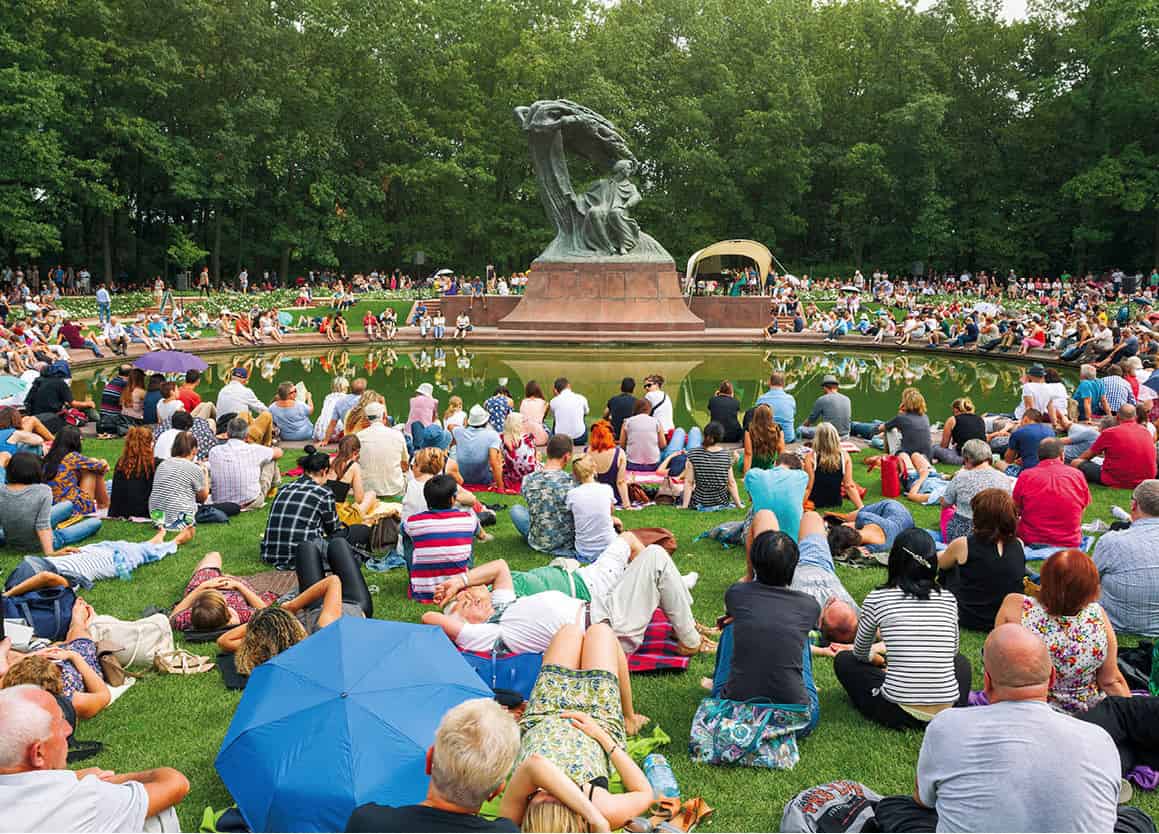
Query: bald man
x=1128, y=452
x=1016, y=765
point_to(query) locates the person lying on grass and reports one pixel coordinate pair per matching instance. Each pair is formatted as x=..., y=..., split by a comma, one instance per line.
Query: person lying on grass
x=90, y=563
x=343, y=593
x=82, y=681
x=574, y=730
x=624, y=587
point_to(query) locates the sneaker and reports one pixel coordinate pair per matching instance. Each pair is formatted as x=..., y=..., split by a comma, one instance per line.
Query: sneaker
x=690, y=579
x=486, y=517
x=1121, y=514
x=1126, y=791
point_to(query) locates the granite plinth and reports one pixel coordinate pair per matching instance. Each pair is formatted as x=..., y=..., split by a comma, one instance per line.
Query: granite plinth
x=602, y=296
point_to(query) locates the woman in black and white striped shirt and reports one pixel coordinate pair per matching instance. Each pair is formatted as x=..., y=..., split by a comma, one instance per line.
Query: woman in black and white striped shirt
x=919, y=671
x=708, y=479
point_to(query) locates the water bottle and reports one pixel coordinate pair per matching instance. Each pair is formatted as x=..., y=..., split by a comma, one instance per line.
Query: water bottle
x=660, y=776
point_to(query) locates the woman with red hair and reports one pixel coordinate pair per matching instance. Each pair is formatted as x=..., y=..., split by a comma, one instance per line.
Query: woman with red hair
x=1065, y=615
x=611, y=461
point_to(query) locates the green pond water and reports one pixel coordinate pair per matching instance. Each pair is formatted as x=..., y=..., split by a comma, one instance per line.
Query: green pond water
x=873, y=381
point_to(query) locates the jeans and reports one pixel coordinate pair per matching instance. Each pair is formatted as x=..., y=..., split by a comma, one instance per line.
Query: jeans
x=724, y=649
x=891, y=516
x=91, y=345
x=865, y=431
x=682, y=440
x=104, y=312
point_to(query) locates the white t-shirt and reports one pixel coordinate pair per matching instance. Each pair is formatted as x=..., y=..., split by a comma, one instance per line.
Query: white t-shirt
x=166, y=409
x=591, y=507
x=1040, y=395
x=163, y=445
x=570, y=409
x=527, y=624
x=661, y=409
x=414, y=501
x=55, y=800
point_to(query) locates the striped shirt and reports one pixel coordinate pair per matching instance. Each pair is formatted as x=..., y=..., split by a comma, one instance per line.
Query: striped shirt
x=442, y=541
x=710, y=468
x=921, y=637
x=176, y=482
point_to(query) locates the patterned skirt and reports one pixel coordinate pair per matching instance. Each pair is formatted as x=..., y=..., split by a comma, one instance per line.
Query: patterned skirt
x=558, y=689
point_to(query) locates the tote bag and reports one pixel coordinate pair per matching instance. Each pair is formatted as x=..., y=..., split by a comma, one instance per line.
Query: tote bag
x=749, y=733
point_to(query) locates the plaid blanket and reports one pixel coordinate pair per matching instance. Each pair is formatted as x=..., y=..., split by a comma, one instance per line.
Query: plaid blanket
x=658, y=651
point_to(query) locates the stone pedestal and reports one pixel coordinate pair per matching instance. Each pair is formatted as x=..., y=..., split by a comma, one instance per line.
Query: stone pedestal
x=602, y=296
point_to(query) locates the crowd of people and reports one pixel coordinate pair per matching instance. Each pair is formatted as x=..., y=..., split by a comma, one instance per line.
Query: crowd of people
x=1009, y=556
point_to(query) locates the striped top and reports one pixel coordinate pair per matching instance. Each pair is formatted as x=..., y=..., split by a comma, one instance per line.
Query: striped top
x=710, y=469
x=921, y=638
x=176, y=482
x=442, y=541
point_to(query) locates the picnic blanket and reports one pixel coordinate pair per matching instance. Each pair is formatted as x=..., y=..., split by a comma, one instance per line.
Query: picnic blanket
x=1040, y=552
x=658, y=651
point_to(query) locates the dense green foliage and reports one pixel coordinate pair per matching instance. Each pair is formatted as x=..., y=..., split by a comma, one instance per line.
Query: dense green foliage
x=137, y=135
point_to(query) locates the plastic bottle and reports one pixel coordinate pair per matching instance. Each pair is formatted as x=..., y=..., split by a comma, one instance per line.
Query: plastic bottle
x=660, y=776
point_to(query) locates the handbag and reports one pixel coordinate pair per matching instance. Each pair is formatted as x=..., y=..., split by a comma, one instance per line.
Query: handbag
x=111, y=668
x=749, y=733
x=137, y=641
x=48, y=611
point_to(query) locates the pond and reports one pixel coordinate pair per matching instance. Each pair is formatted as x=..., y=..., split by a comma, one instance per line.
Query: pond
x=873, y=381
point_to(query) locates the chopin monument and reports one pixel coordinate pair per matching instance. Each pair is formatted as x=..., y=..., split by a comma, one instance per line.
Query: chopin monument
x=600, y=272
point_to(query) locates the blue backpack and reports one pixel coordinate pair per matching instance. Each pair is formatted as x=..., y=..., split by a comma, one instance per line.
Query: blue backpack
x=48, y=611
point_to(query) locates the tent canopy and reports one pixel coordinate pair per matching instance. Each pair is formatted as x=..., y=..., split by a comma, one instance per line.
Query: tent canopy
x=710, y=256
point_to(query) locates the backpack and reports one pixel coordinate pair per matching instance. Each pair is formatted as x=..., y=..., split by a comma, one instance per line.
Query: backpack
x=836, y=806
x=48, y=611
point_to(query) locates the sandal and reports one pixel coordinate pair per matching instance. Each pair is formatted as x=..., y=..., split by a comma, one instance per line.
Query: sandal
x=663, y=810
x=182, y=662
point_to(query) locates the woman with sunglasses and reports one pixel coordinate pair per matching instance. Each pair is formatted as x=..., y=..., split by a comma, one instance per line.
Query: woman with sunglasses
x=917, y=670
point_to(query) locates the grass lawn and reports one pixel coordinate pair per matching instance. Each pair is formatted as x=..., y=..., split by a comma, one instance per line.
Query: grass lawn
x=180, y=721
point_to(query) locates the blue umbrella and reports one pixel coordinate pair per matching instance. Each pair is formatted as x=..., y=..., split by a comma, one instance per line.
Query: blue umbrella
x=170, y=362
x=343, y=718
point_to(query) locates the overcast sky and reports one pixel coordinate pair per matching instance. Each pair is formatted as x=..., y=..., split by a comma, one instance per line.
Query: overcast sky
x=1012, y=9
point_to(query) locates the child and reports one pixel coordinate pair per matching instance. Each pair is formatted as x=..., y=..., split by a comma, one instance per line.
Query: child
x=454, y=417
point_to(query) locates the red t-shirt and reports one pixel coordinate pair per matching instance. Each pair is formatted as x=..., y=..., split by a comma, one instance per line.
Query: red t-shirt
x=1128, y=455
x=1051, y=498
x=71, y=334
x=369, y=320
x=189, y=398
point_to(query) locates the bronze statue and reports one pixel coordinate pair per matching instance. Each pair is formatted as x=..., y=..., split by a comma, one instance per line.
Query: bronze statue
x=597, y=224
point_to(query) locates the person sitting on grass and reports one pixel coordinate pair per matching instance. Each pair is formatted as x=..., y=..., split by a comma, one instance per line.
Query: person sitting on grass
x=575, y=729
x=292, y=417
x=82, y=679
x=924, y=673
x=214, y=600
x=830, y=470
x=1066, y=616
x=474, y=750
x=764, y=651
x=1051, y=499
x=982, y=567
x=764, y=441
x=1015, y=765
x=975, y=476
x=625, y=586
x=39, y=793
x=439, y=539
x=873, y=528
x=546, y=522
x=1128, y=452
x=179, y=485
x=591, y=504
x=709, y=482
x=72, y=476
x=29, y=520
x=241, y=472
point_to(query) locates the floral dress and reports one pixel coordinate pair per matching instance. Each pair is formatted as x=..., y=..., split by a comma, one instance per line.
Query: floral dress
x=66, y=483
x=518, y=462
x=1078, y=647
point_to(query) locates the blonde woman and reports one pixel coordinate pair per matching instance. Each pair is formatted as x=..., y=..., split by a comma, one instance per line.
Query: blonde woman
x=830, y=471
x=339, y=390
x=591, y=504
x=454, y=417
x=963, y=425
x=356, y=418
x=427, y=463
x=913, y=425
x=519, y=455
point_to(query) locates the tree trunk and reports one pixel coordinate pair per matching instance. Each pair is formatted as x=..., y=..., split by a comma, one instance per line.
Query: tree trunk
x=107, y=248
x=284, y=271
x=217, y=244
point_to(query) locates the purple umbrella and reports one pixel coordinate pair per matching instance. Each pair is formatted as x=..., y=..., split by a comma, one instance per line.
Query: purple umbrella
x=169, y=362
